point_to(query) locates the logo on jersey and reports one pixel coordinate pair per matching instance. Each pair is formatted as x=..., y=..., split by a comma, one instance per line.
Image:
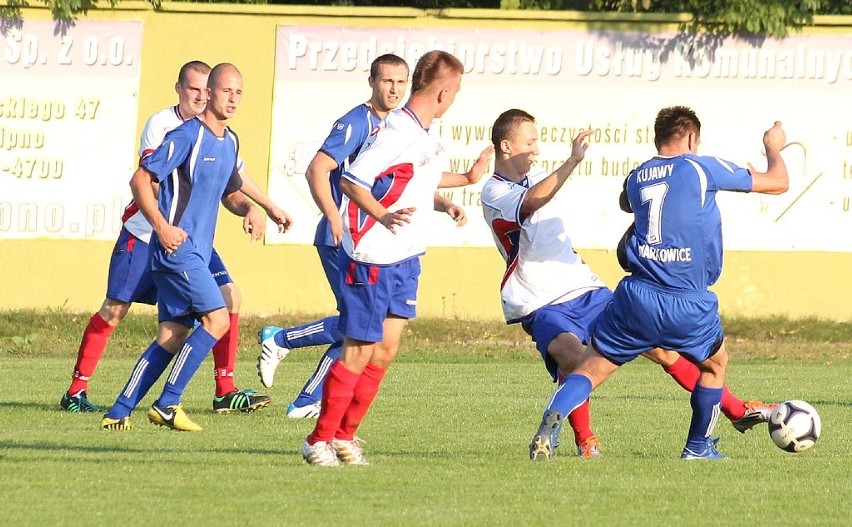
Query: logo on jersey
x=387, y=189
x=210, y=159
x=509, y=235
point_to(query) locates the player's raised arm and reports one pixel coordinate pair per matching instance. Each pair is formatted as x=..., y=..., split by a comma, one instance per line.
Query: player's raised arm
x=544, y=190
x=479, y=167
x=318, y=182
x=775, y=180
x=170, y=236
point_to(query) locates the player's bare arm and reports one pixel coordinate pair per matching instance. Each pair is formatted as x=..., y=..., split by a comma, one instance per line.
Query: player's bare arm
x=238, y=204
x=170, y=236
x=544, y=190
x=317, y=176
x=253, y=191
x=775, y=180
x=366, y=202
x=456, y=213
x=479, y=167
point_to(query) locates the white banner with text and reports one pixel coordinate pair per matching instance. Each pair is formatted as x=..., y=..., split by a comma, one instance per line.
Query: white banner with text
x=68, y=111
x=612, y=81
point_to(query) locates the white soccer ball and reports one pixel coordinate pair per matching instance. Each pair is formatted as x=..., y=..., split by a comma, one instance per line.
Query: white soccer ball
x=794, y=426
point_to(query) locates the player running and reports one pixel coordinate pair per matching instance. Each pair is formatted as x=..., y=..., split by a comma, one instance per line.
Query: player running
x=388, y=81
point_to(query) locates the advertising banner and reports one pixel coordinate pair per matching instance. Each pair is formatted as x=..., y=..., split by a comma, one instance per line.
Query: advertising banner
x=68, y=111
x=612, y=81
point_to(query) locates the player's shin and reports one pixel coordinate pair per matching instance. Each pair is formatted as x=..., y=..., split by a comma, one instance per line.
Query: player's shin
x=364, y=394
x=705, y=404
x=312, y=391
x=187, y=362
x=147, y=370
x=337, y=395
x=315, y=333
x=225, y=357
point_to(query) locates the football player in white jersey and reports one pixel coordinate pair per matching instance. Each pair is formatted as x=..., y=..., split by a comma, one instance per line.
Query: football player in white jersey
x=547, y=287
x=389, y=193
x=349, y=135
x=129, y=279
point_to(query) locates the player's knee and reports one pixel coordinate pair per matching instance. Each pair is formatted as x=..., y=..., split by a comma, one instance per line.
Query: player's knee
x=383, y=356
x=216, y=323
x=232, y=296
x=113, y=312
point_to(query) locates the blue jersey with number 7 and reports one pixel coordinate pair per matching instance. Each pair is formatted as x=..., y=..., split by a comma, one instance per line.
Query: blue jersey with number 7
x=678, y=237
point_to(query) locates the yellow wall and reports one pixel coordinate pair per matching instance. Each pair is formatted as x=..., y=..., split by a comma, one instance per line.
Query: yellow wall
x=285, y=278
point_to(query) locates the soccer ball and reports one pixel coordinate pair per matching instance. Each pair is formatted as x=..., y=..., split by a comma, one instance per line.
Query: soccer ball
x=794, y=426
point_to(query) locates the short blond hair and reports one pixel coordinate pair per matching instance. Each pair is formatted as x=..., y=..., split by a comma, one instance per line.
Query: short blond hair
x=432, y=67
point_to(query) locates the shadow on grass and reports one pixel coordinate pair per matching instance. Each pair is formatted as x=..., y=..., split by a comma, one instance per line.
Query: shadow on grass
x=71, y=447
x=76, y=447
x=25, y=405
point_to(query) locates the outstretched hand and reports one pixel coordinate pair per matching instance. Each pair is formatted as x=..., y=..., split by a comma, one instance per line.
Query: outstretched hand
x=579, y=145
x=481, y=165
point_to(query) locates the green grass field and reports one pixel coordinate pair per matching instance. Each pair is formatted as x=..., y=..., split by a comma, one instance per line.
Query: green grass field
x=447, y=439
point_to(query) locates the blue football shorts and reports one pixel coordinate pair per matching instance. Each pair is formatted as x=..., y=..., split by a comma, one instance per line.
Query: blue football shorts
x=369, y=293
x=573, y=316
x=129, y=279
x=329, y=256
x=184, y=296
x=644, y=315
x=218, y=270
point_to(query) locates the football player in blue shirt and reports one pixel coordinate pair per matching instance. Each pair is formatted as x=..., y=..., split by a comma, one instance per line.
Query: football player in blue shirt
x=674, y=255
x=196, y=168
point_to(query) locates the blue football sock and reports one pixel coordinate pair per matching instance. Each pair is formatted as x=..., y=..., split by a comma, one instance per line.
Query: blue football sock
x=706, y=407
x=148, y=369
x=194, y=350
x=316, y=333
x=570, y=394
x=312, y=390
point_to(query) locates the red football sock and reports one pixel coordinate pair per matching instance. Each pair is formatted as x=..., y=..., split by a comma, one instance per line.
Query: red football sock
x=364, y=394
x=732, y=406
x=225, y=357
x=686, y=374
x=92, y=346
x=337, y=393
x=580, y=421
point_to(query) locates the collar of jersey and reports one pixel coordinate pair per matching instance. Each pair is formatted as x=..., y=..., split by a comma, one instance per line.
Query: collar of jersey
x=409, y=112
x=524, y=182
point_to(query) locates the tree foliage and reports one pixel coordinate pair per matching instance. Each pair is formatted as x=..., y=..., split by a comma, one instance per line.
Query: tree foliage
x=774, y=18
x=720, y=18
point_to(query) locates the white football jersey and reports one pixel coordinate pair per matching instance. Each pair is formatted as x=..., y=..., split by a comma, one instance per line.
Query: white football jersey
x=156, y=128
x=401, y=165
x=542, y=267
